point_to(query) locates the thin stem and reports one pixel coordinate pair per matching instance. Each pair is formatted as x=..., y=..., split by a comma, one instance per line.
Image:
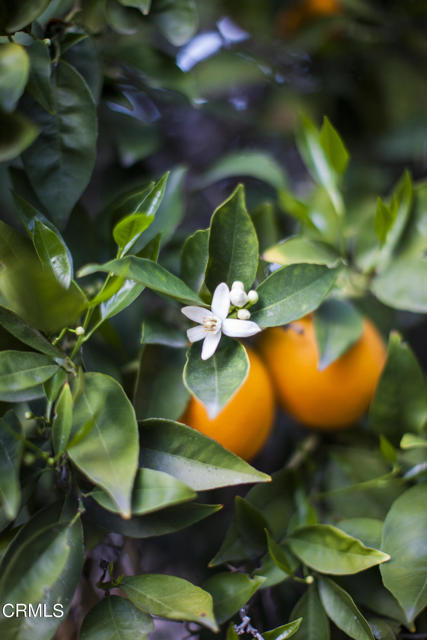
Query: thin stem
x=304, y=450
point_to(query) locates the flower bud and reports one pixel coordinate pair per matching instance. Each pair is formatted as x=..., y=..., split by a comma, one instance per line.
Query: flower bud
x=309, y=579
x=238, y=297
x=238, y=284
x=253, y=296
x=80, y=331
x=28, y=415
x=243, y=314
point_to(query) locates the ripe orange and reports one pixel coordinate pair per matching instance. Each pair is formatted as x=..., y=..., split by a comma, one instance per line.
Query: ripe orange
x=330, y=399
x=245, y=422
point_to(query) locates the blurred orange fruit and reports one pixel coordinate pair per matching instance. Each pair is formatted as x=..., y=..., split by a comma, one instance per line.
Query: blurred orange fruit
x=245, y=422
x=290, y=20
x=333, y=398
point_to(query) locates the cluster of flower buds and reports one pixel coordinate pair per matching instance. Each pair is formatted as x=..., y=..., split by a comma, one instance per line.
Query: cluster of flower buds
x=239, y=298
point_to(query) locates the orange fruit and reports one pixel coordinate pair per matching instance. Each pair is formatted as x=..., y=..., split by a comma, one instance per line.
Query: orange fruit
x=245, y=422
x=290, y=20
x=333, y=398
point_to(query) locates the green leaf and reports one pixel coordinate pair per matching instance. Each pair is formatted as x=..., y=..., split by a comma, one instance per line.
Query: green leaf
x=127, y=293
x=401, y=285
x=108, y=455
x=295, y=208
x=42, y=566
x=404, y=539
x=62, y=421
x=368, y=530
x=176, y=19
x=16, y=134
x=194, y=258
x=159, y=389
x=279, y=555
x=329, y=550
x=343, y=611
x=156, y=524
x=140, y=210
x=383, y=629
x=40, y=71
x=24, y=369
x=52, y=253
x=170, y=597
x=315, y=624
x=26, y=334
x=385, y=217
x=334, y=147
x=14, y=68
x=10, y=462
x=148, y=273
x=231, y=633
x=142, y=5
x=284, y=631
x=116, y=618
x=291, y=292
x=152, y=491
x=195, y=459
x=256, y=164
x=230, y=592
x=154, y=332
x=233, y=243
x=338, y=325
x=302, y=250
x=318, y=159
x=400, y=401
x=59, y=178
x=20, y=13
x=411, y=441
x=215, y=381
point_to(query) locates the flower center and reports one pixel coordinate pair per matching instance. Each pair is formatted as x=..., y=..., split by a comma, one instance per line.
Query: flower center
x=211, y=324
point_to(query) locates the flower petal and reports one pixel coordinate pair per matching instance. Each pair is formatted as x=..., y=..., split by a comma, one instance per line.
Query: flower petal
x=196, y=313
x=196, y=333
x=221, y=301
x=210, y=344
x=239, y=328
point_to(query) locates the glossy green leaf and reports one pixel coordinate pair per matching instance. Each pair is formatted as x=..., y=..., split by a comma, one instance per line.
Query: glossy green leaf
x=295, y=208
x=284, y=631
x=195, y=459
x=315, y=623
x=411, y=441
x=26, y=334
x=115, y=618
x=108, y=455
x=319, y=162
x=52, y=253
x=59, y=178
x=215, y=381
x=10, y=460
x=299, y=250
x=20, y=13
x=53, y=386
x=404, y=539
x=343, y=611
x=123, y=298
x=291, y=292
x=40, y=71
x=278, y=555
x=338, y=325
x=152, y=491
x=255, y=164
x=383, y=629
x=367, y=589
x=154, y=332
x=42, y=566
x=194, y=258
x=24, y=369
x=230, y=592
x=148, y=273
x=334, y=147
x=233, y=243
x=329, y=550
x=400, y=401
x=16, y=134
x=368, y=530
x=177, y=19
x=170, y=597
x=156, y=524
x=159, y=389
x=384, y=220
x=142, y=5
x=62, y=421
x=14, y=69
x=401, y=285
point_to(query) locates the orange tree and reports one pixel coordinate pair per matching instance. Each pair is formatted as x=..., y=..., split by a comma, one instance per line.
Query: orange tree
x=121, y=309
